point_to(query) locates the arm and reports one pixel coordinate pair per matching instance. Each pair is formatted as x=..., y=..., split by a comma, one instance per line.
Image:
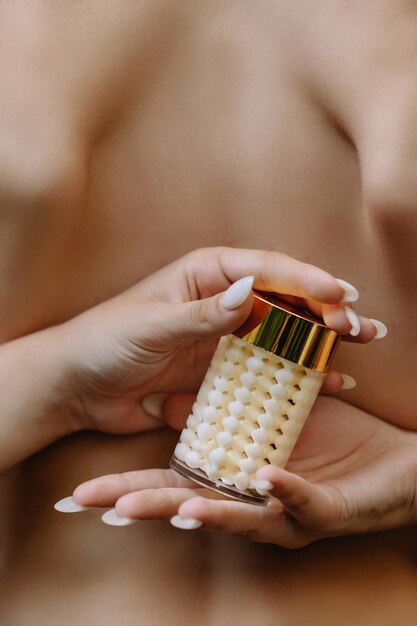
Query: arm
x=33, y=410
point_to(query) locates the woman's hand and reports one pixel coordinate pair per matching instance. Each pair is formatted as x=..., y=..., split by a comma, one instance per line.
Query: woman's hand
x=349, y=473
x=93, y=371
x=159, y=335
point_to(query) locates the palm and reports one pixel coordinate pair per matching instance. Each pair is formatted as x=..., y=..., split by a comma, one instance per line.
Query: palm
x=112, y=396
x=335, y=438
x=359, y=461
x=350, y=451
x=361, y=458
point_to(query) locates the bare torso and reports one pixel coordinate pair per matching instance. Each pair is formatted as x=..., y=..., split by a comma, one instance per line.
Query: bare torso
x=135, y=135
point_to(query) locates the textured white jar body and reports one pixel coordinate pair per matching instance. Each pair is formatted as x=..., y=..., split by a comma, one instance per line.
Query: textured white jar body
x=249, y=412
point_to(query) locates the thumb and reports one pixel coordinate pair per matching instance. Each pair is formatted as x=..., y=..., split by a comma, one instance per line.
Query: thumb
x=311, y=505
x=207, y=318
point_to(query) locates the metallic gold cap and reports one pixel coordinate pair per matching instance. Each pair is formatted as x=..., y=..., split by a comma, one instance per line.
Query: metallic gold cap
x=288, y=332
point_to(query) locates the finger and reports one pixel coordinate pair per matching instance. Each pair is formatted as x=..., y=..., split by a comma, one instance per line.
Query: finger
x=176, y=409
x=277, y=272
x=170, y=408
x=268, y=524
x=310, y=505
x=335, y=381
x=106, y=490
x=368, y=331
x=221, y=314
x=335, y=317
x=332, y=383
x=160, y=503
x=198, y=319
x=254, y=522
x=206, y=271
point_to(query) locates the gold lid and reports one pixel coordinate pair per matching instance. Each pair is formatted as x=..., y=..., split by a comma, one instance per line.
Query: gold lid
x=288, y=332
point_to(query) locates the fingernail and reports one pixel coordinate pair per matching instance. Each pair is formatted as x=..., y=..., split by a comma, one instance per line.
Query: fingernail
x=351, y=293
x=354, y=321
x=67, y=505
x=381, y=329
x=264, y=485
x=111, y=518
x=348, y=382
x=186, y=523
x=152, y=403
x=237, y=293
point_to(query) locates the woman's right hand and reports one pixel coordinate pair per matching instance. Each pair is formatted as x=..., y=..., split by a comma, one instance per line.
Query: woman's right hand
x=158, y=337
x=350, y=472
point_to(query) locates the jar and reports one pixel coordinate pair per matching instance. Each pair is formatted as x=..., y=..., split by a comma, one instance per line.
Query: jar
x=255, y=398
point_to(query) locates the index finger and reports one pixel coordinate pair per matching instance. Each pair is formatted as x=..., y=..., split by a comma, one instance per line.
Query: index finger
x=273, y=272
x=208, y=271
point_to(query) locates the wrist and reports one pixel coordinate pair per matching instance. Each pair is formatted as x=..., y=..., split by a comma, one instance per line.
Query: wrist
x=34, y=399
x=46, y=355
x=50, y=356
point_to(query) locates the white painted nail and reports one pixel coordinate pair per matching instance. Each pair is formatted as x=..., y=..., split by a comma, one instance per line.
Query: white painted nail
x=152, y=404
x=351, y=293
x=348, y=382
x=111, y=518
x=381, y=329
x=186, y=523
x=67, y=505
x=237, y=293
x=264, y=485
x=354, y=321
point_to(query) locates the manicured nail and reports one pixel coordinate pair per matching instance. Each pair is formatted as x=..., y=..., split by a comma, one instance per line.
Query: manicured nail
x=264, y=485
x=348, y=382
x=111, y=518
x=354, y=321
x=186, y=523
x=237, y=293
x=381, y=329
x=67, y=505
x=351, y=293
x=152, y=404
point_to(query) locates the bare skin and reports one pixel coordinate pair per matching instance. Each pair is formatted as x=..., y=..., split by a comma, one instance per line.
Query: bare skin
x=132, y=136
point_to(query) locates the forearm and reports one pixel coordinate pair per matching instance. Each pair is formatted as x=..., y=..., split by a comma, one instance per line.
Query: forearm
x=34, y=410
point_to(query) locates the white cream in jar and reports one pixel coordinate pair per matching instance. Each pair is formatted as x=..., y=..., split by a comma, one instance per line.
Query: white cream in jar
x=255, y=399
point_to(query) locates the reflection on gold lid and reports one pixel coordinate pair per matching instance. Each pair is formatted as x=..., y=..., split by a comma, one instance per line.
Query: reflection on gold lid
x=288, y=332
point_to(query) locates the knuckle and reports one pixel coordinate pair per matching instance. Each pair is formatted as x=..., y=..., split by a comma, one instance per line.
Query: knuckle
x=217, y=251
x=266, y=260
x=342, y=517
x=204, y=254
x=200, y=313
x=195, y=256
x=198, y=508
x=199, y=503
x=151, y=498
x=126, y=480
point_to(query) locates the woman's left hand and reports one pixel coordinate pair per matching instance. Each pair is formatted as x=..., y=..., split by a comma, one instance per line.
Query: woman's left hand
x=158, y=337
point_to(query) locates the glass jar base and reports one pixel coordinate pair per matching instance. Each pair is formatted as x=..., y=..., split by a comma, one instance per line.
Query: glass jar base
x=200, y=478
